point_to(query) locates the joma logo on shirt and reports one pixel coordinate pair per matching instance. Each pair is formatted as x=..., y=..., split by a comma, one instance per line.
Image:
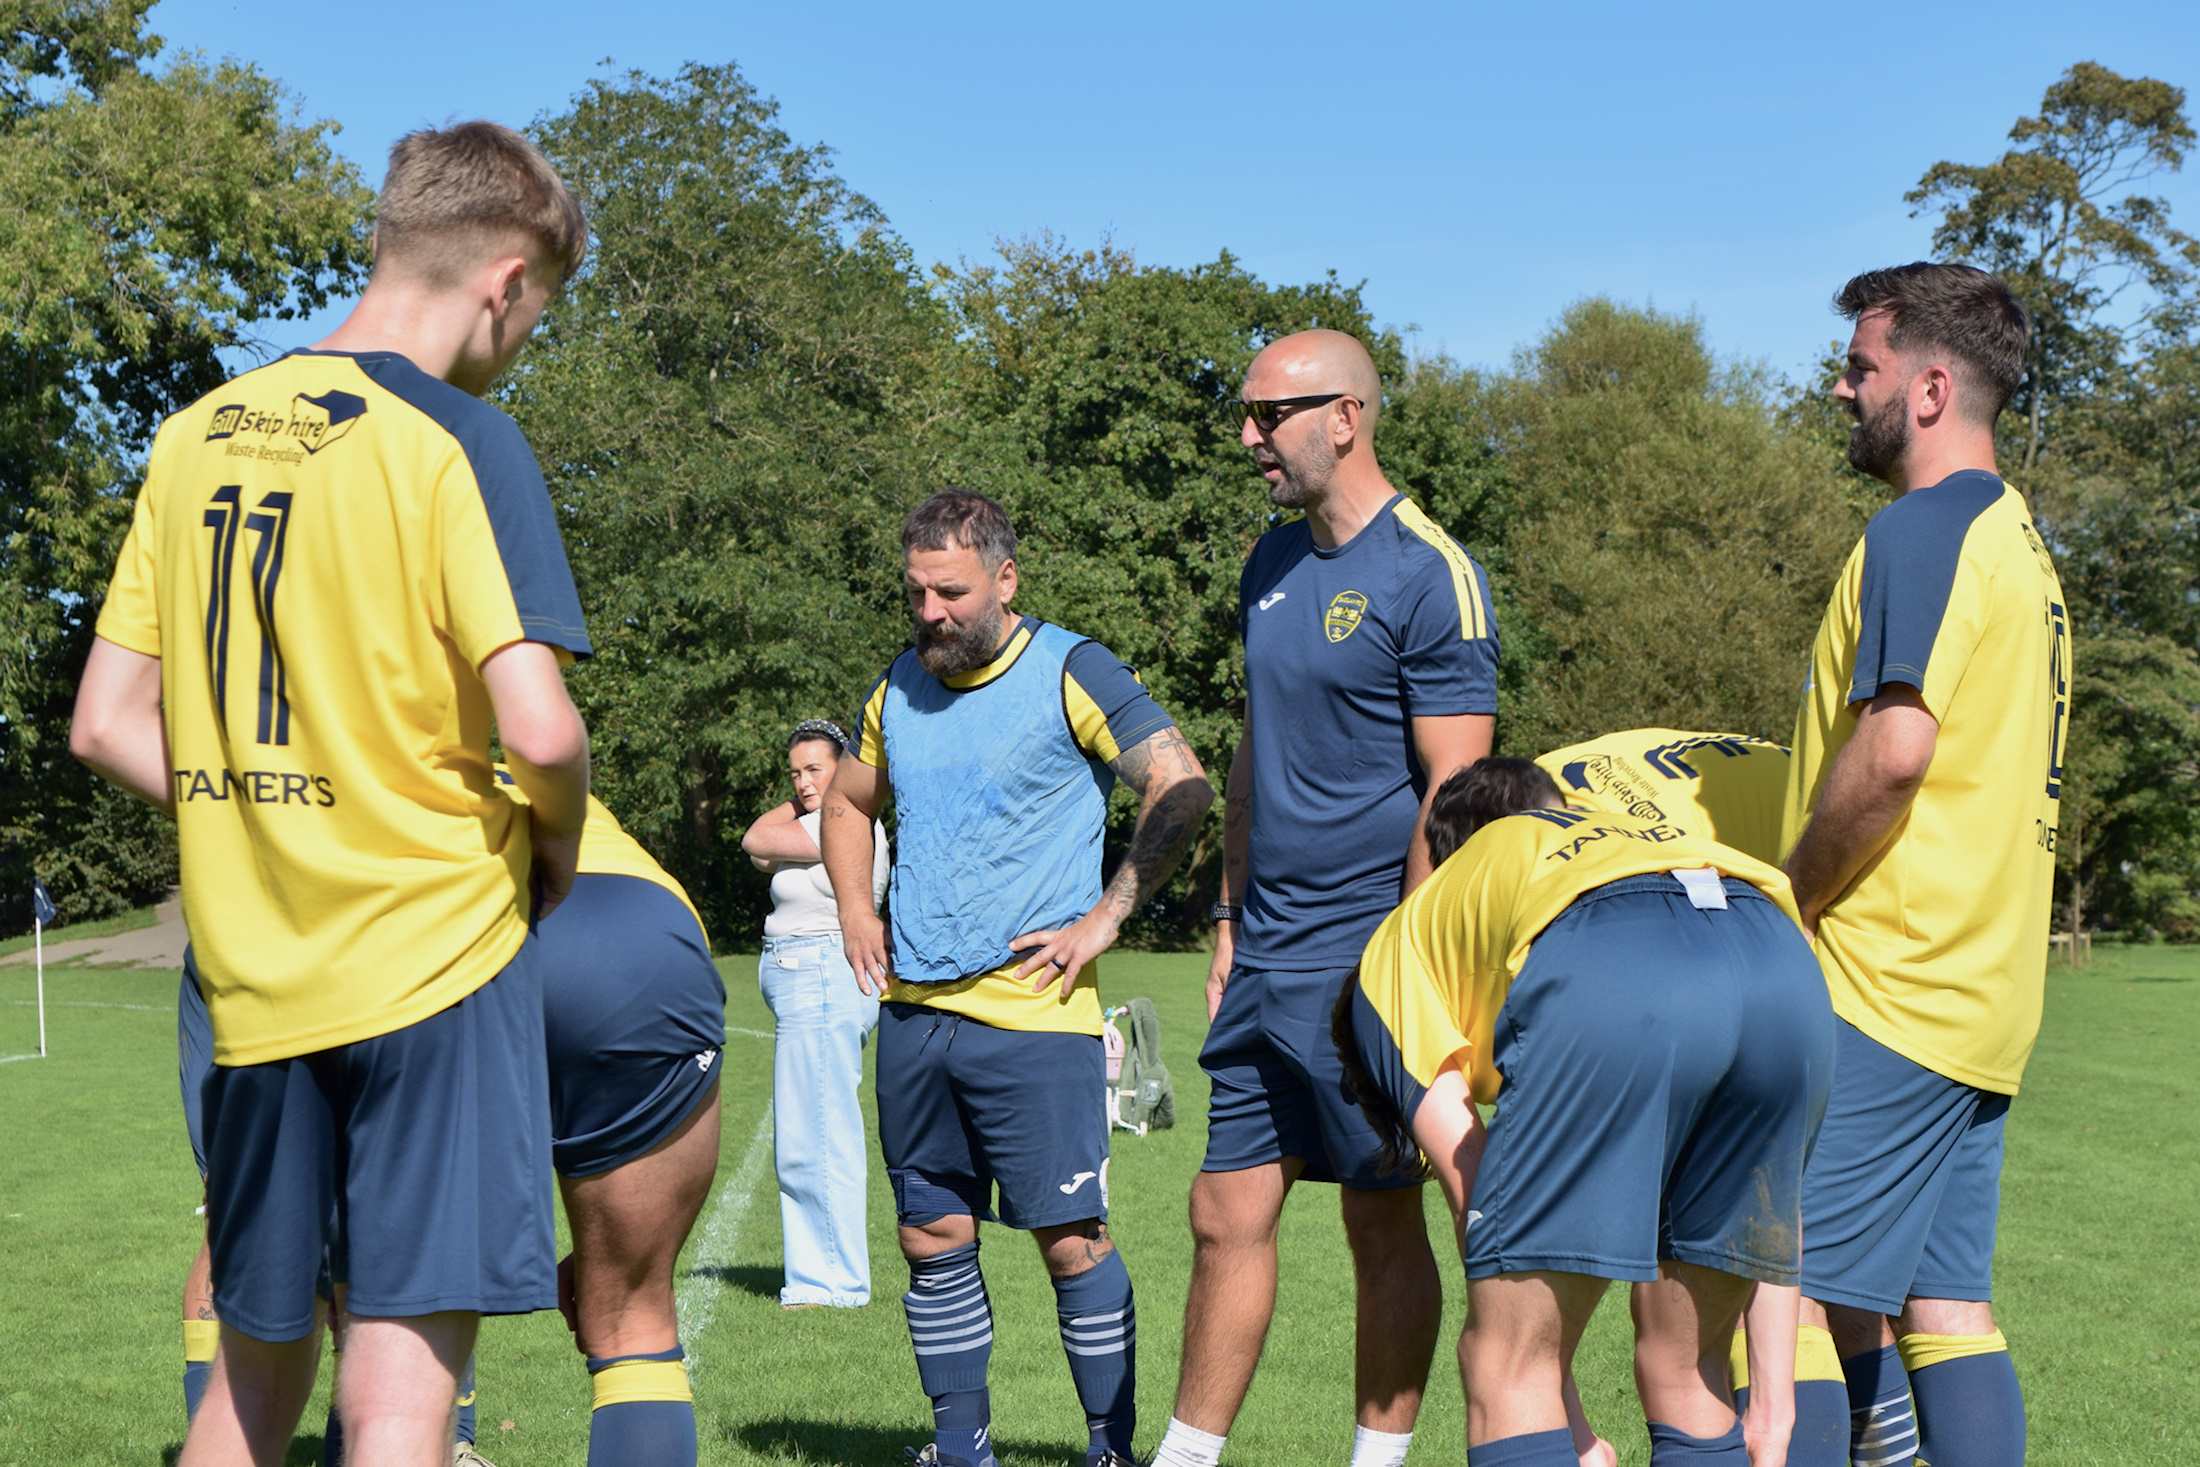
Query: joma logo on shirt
x=312, y=422
x=1343, y=617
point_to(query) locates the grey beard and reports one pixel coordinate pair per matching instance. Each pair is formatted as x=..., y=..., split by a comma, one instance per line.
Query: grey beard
x=1876, y=443
x=966, y=651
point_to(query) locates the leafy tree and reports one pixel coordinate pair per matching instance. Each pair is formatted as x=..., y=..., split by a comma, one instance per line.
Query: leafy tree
x=729, y=404
x=2129, y=838
x=1672, y=542
x=147, y=223
x=2048, y=217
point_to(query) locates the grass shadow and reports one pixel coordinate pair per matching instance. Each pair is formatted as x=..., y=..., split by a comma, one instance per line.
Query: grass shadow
x=2158, y=980
x=305, y=1451
x=847, y=1444
x=749, y=1278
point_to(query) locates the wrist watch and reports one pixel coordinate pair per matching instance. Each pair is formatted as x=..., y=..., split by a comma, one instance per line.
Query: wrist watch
x=1225, y=912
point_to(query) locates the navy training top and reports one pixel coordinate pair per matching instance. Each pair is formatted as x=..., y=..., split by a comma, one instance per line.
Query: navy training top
x=1343, y=649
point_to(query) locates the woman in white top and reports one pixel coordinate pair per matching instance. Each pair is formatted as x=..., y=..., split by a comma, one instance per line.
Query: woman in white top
x=822, y=1019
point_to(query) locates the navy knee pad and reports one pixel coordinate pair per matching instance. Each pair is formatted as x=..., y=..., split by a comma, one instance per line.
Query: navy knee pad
x=918, y=1199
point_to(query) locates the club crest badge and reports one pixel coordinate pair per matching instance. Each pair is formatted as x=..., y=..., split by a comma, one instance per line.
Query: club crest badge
x=1343, y=617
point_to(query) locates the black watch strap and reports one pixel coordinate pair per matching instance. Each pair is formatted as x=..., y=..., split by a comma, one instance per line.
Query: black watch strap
x=1225, y=912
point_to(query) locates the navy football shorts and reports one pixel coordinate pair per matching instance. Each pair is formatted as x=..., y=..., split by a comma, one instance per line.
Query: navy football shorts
x=416, y=1164
x=964, y=1108
x=1665, y=1069
x=1903, y=1192
x=194, y=1058
x=635, y=1015
x=1278, y=1086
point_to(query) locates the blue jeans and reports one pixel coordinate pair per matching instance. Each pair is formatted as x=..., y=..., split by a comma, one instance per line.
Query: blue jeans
x=822, y=1020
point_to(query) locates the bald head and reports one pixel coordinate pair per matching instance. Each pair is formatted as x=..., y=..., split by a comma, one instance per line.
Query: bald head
x=1308, y=363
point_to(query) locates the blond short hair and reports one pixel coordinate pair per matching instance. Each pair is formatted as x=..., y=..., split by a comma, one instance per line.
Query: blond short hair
x=457, y=196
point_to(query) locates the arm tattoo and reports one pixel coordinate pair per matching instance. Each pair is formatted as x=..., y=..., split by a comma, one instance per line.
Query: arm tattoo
x=1173, y=800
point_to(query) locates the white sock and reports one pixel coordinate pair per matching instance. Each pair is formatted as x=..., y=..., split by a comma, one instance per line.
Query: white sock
x=1187, y=1446
x=1372, y=1448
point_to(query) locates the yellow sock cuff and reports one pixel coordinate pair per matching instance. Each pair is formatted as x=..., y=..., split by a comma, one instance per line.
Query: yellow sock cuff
x=1815, y=1357
x=201, y=1338
x=641, y=1380
x=1919, y=1351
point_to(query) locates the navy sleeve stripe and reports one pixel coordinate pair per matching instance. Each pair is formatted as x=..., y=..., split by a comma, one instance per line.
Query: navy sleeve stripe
x=1911, y=551
x=513, y=495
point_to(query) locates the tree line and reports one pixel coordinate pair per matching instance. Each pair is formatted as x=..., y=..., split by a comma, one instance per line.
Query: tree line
x=754, y=379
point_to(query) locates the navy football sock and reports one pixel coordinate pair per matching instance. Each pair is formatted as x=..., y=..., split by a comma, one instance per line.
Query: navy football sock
x=1821, y=1436
x=644, y=1414
x=332, y=1437
x=201, y=1339
x=1535, y=1449
x=1970, y=1410
x=1099, y=1321
x=1882, y=1427
x=466, y=1402
x=1672, y=1447
x=951, y=1330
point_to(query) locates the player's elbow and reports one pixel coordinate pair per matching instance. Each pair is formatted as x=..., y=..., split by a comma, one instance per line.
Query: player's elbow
x=548, y=736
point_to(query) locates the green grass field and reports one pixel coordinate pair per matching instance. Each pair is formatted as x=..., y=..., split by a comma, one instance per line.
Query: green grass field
x=97, y=1224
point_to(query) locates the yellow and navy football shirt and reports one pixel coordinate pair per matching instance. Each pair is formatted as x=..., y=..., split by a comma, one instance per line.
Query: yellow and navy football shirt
x=1438, y=968
x=1938, y=949
x=1107, y=710
x=607, y=850
x=324, y=553
x=1730, y=787
x=1344, y=648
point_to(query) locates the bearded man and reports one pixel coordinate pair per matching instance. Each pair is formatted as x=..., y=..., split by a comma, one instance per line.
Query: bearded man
x=999, y=738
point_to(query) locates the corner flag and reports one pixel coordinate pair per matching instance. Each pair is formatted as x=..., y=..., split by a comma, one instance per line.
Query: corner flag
x=42, y=915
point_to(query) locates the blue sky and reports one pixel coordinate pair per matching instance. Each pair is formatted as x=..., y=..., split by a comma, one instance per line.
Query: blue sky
x=1479, y=166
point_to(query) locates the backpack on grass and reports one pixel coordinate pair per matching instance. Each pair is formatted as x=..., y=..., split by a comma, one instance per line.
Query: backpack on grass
x=1140, y=1094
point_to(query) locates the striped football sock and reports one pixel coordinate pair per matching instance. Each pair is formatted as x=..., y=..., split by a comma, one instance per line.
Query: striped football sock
x=1882, y=1426
x=1099, y=1323
x=951, y=1331
x=644, y=1414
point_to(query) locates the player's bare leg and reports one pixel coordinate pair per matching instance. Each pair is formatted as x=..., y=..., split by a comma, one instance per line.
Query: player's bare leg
x=616, y=1289
x=397, y=1388
x=1233, y=1290
x=252, y=1404
x=1684, y=1334
x=1400, y=1305
x=201, y=1328
x=1514, y=1354
x=628, y=1227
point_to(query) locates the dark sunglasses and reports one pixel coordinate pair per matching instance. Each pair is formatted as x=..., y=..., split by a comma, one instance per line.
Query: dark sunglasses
x=1267, y=412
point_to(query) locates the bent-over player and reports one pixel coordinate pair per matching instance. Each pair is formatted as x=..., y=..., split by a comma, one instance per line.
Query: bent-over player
x=998, y=738
x=1639, y=1004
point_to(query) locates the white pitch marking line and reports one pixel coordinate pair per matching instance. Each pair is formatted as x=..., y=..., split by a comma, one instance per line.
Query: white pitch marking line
x=85, y=1003
x=697, y=1297
x=9, y=1059
x=752, y=1033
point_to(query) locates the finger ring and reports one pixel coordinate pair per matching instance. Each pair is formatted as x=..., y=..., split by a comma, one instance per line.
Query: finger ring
x=1057, y=962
